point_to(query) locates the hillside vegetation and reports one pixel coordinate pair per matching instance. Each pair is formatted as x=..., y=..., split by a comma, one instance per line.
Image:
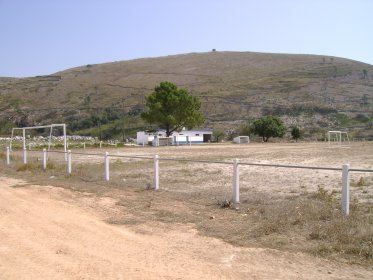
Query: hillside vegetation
x=317, y=93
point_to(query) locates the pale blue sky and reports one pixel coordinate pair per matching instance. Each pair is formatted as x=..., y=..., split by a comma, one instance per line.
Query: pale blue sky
x=40, y=37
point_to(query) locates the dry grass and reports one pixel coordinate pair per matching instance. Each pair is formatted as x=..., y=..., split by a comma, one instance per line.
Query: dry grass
x=299, y=216
x=317, y=219
x=34, y=166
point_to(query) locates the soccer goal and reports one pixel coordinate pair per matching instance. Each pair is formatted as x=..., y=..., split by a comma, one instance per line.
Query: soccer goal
x=51, y=126
x=338, y=136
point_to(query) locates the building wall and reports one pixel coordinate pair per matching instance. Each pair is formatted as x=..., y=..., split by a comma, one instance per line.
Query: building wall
x=187, y=139
x=178, y=138
x=143, y=138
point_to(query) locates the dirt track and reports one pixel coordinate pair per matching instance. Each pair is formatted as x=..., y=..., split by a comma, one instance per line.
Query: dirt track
x=53, y=233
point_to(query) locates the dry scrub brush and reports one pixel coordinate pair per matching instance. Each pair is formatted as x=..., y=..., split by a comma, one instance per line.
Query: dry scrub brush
x=317, y=219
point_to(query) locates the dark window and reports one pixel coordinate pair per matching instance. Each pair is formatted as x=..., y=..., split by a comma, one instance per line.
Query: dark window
x=197, y=134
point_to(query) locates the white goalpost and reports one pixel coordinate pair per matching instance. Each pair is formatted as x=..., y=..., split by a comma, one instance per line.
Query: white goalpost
x=337, y=136
x=51, y=126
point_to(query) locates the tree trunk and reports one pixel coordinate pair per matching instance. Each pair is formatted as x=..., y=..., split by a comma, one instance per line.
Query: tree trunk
x=168, y=132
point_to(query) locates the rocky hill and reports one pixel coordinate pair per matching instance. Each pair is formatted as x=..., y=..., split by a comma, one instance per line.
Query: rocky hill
x=318, y=93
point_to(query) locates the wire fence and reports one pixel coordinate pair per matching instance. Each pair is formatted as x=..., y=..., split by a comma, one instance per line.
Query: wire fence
x=68, y=156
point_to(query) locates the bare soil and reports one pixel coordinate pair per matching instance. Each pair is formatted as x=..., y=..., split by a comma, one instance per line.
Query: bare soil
x=79, y=227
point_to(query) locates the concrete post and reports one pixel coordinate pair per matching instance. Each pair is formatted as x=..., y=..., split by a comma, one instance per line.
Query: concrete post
x=156, y=172
x=236, y=181
x=107, y=174
x=69, y=162
x=346, y=189
x=24, y=146
x=24, y=155
x=24, y=139
x=45, y=159
x=64, y=140
x=7, y=155
x=50, y=141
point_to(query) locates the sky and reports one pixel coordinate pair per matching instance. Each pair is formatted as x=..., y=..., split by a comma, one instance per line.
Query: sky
x=41, y=37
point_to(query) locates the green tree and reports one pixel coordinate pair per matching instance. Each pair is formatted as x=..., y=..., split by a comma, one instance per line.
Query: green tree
x=269, y=126
x=295, y=133
x=172, y=108
x=218, y=134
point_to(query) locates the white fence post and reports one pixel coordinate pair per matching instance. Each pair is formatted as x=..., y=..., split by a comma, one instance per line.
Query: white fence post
x=236, y=181
x=65, y=144
x=24, y=155
x=44, y=159
x=69, y=162
x=107, y=174
x=156, y=172
x=346, y=189
x=100, y=144
x=7, y=155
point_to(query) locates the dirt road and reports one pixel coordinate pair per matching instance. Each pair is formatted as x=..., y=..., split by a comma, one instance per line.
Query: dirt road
x=53, y=233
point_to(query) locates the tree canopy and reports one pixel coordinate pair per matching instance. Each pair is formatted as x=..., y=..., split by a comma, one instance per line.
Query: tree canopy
x=269, y=126
x=218, y=134
x=296, y=133
x=172, y=108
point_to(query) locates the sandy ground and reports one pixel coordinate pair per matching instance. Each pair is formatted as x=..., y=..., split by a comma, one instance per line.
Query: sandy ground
x=49, y=233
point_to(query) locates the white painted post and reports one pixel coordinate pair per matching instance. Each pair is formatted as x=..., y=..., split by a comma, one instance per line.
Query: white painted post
x=11, y=139
x=7, y=155
x=64, y=140
x=84, y=145
x=346, y=189
x=24, y=146
x=236, y=181
x=24, y=156
x=50, y=140
x=100, y=144
x=156, y=172
x=107, y=174
x=69, y=162
x=45, y=159
x=24, y=138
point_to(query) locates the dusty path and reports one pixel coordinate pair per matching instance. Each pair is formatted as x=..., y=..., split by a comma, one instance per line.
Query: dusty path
x=46, y=233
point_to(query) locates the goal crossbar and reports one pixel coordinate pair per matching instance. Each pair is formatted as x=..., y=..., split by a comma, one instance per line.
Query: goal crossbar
x=51, y=126
x=338, y=135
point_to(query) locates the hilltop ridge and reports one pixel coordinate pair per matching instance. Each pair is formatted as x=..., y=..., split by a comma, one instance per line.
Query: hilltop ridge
x=313, y=91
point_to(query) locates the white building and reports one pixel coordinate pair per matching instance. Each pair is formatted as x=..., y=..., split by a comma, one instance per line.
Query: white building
x=241, y=140
x=177, y=138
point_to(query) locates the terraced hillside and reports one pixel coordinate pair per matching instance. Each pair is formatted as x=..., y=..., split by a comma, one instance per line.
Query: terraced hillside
x=315, y=92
